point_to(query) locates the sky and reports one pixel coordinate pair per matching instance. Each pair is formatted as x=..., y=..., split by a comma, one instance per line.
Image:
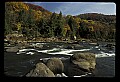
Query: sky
x=76, y=8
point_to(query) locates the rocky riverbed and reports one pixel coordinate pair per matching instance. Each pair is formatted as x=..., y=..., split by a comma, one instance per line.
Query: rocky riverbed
x=20, y=60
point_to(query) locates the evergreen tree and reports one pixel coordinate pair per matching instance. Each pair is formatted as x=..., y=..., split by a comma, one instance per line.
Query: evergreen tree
x=60, y=25
x=71, y=24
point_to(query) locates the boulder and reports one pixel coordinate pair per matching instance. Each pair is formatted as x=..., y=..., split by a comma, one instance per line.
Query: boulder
x=71, y=69
x=55, y=65
x=41, y=70
x=12, y=49
x=85, y=61
x=69, y=47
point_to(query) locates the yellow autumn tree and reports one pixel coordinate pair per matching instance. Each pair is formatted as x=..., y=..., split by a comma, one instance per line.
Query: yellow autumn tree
x=65, y=29
x=77, y=20
x=18, y=25
x=37, y=15
x=17, y=6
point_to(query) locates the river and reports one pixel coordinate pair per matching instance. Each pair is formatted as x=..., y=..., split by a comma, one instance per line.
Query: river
x=20, y=63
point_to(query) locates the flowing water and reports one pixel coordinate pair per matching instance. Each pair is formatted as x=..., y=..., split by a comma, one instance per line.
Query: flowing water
x=20, y=63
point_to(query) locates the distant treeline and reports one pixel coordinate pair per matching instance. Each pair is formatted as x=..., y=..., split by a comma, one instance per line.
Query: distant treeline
x=35, y=21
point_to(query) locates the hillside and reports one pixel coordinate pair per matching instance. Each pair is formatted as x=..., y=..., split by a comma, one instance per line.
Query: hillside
x=98, y=17
x=39, y=8
x=35, y=7
x=35, y=21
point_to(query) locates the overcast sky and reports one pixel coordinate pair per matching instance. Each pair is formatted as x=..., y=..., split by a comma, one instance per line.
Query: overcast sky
x=75, y=8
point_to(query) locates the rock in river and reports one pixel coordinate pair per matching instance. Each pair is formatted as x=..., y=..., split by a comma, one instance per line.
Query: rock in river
x=55, y=65
x=69, y=47
x=85, y=61
x=41, y=70
x=12, y=49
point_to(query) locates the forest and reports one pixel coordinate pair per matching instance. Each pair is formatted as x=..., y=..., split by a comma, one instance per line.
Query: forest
x=35, y=21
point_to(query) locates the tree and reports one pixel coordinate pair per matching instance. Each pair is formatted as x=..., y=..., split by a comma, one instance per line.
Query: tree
x=53, y=23
x=59, y=25
x=71, y=23
x=66, y=31
x=10, y=18
x=84, y=30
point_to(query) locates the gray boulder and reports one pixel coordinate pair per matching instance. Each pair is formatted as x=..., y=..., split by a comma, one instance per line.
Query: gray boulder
x=41, y=70
x=85, y=61
x=12, y=49
x=55, y=65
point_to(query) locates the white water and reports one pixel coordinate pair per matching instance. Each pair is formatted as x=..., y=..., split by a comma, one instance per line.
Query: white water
x=62, y=58
x=68, y=51
x=83, y=75
x=31, y=53
x=24, y=51
x=103, y=54
x=56, y=51
x=59, y=51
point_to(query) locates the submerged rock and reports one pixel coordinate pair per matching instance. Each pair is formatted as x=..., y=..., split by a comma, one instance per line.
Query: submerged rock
x=85, y=61
x=69, y=47
x=110, y=46
x=55, y=65
x=41, y=70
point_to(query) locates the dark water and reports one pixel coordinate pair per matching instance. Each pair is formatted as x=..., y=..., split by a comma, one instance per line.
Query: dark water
x=20, y=65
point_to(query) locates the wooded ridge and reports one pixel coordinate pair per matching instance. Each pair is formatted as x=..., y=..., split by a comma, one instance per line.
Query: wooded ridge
x=35, y=21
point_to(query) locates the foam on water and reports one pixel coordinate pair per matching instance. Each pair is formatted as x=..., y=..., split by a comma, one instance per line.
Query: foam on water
x=96, y=46
x=31, y=53
x=62, y=58
x=83, y=75
x=103, y=54
x=24, y=51
x=40, y=43
x=20, y=52
x=64, y=51
x=56, y=51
